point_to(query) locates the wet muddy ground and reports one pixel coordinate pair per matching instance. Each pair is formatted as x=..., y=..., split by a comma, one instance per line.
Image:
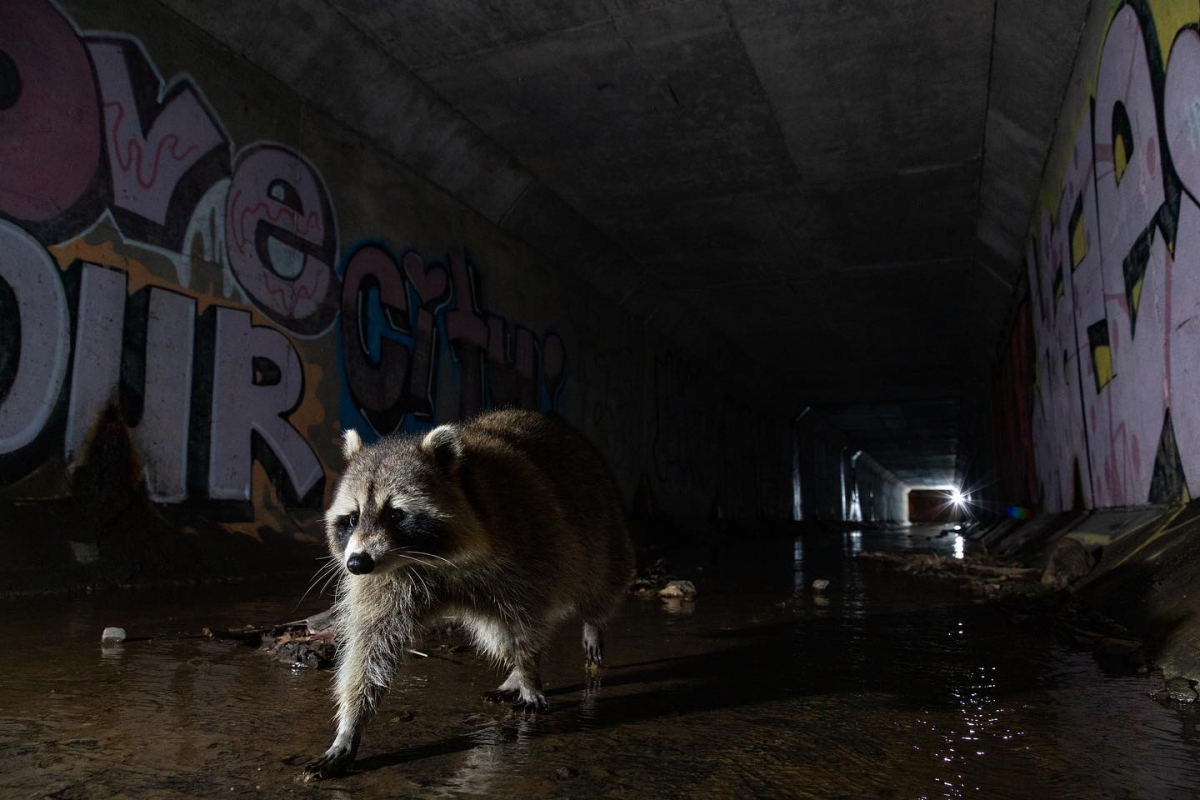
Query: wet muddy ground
x=886, y=686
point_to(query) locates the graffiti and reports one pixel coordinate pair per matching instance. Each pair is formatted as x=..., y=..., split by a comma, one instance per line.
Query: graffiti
x=401, y=313
x=256, y=381
x=281, y=238
x=195, y=404
x=162, y=153
x=51, y=139
x=154, y=273
x=97, y=131
x=34, y=334
x=1114, y=275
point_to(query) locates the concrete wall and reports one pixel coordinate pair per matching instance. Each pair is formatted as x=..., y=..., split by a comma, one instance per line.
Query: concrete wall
x=877, y=494
x=833, y=485
x=196, y=262
x=1113, y=265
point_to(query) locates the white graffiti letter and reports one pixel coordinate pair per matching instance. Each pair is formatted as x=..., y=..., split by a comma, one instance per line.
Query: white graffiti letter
x=257, y=382
x=32, y=365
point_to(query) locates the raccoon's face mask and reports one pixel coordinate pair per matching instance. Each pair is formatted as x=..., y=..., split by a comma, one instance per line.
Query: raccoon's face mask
x=386, y=514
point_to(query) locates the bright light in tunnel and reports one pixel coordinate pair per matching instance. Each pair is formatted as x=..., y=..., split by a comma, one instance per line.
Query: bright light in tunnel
x=958, y=498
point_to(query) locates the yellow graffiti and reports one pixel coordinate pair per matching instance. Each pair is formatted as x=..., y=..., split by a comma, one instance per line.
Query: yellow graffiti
x=1120, y=157
x=1161, y=531
x=1170, y=16
x=1103, y=365
x=144, y=268
x=1078, y=245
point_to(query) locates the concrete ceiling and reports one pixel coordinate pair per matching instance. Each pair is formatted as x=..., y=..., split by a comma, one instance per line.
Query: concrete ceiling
x=836, y=189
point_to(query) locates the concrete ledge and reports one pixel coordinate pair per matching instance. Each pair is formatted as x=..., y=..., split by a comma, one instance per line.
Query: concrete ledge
x=67, y=546
x=1146, y=574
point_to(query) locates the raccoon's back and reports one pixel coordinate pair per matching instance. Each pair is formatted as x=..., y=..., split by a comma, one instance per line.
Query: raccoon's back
x=544, y=493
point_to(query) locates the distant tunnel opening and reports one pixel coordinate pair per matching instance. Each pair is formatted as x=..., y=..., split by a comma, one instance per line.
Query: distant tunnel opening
x=932, y=505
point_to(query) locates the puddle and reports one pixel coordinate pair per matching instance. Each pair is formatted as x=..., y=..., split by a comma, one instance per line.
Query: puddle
x=883, y=686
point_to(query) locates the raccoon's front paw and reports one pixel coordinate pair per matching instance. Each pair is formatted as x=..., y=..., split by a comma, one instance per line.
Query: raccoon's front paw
x=335, y=762
x=532, y=705
x=501, y=696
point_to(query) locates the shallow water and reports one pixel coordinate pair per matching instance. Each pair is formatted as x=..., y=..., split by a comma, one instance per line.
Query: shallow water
x=887, y=686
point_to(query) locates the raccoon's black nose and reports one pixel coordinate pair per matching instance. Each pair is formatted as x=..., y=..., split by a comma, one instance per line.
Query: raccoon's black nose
x=360, y=563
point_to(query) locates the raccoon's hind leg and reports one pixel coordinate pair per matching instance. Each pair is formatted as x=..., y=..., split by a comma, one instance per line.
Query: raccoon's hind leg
x=593, y=644
x=595, y=617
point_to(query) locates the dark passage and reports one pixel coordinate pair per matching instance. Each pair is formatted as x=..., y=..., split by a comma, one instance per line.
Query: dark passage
x=884, y=685
x=882, y=317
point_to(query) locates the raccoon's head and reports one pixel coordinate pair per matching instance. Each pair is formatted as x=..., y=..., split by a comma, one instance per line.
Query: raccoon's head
x=395, y=500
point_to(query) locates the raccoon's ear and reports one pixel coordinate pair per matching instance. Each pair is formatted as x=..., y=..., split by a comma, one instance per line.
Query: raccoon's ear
x=444, y=444
x=351, y=443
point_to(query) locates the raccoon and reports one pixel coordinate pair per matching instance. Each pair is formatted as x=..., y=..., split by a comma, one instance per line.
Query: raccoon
x=509, y=521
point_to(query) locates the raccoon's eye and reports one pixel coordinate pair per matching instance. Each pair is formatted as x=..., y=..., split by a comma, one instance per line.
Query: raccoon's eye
x=353, y=519
x=395, y=516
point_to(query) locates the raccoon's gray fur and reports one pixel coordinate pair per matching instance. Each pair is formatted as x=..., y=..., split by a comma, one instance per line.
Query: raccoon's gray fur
x=509, y=521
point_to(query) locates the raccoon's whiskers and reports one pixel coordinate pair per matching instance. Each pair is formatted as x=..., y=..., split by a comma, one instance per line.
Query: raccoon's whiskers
x=416, y=574
x=431, y=555
x=329, y=568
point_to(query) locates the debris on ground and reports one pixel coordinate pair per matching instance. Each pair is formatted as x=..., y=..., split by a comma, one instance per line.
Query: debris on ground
x=1177, y=691
x=113, y=636
x=651, y=579
x=1028, y=591
x=302, y=646
x=312, y=642
x=981, y=575
x=820, y=585
x=657, y=581
x=679, y=589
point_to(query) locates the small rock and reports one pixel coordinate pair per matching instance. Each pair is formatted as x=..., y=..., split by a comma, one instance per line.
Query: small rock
x=820, y=585
x=113, y=636
x=564, y=773
x=1179, y=690
x=678, y=589
x=1069, y=561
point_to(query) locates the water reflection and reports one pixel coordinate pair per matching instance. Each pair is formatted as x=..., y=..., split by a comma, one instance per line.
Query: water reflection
x=799, y=583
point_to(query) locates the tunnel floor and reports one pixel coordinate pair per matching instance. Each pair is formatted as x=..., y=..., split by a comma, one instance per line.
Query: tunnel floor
x=887, y=686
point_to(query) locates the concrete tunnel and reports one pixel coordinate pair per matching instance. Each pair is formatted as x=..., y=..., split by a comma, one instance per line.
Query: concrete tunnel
x=877, y=312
